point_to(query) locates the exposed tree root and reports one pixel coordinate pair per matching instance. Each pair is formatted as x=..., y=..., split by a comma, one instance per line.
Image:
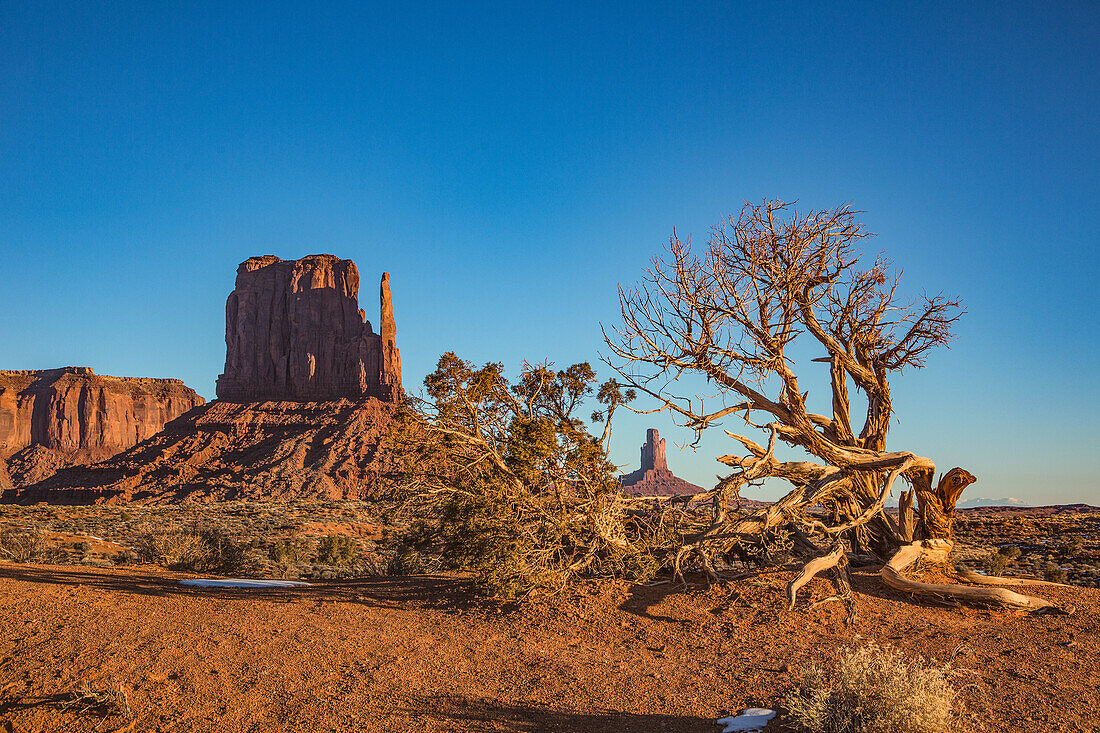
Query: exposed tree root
x=812, y=568
x=893, y=574
x=971, y=577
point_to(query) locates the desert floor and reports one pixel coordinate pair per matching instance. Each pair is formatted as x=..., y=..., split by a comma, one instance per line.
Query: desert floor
x=421, y=654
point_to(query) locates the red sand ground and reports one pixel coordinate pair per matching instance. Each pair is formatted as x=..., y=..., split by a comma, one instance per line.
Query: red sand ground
x=419, y=654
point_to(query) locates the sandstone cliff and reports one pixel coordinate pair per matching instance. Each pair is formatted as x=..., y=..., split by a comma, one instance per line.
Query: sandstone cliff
x=54, y=418
x=294, y=332
x=654, y=478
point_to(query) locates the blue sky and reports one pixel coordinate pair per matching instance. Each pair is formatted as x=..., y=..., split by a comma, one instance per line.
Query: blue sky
x=511, y=164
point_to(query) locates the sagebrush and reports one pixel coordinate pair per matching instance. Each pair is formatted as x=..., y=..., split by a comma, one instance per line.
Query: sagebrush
x=201, y=549
x=874, y=689
x=20, y=545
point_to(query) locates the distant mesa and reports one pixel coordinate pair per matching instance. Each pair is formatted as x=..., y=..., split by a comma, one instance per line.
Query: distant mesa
x=294, y=332
x=54, y=418
x=654, y=478
x=304, y=405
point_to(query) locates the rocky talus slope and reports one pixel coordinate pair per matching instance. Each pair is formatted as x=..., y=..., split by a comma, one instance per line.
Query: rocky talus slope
x=253, y=451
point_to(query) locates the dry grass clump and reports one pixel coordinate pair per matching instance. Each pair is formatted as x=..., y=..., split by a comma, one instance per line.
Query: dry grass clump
x=168, y=548
x=873, y=689
x=112, y=701
x=20, y=545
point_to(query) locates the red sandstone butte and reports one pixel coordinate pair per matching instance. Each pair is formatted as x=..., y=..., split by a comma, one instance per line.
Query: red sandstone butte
x=294, y=332
x=303, y=410
x=654, y=478
x=53, y=418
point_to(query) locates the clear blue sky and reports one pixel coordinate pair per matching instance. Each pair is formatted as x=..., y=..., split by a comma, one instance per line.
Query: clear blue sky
x=511, y=164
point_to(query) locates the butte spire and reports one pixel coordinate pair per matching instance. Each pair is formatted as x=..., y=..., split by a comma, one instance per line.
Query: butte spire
x=654, y=478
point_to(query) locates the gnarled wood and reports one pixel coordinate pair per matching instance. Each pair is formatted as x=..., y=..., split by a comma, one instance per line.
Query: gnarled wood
x=770, y=277
x=812, y=568
x=937, y=507
x=893, y=574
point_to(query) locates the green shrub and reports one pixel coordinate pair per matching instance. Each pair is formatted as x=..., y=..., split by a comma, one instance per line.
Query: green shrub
x=338, y=550
x=995, y=562
x=873, y=689
x=484, y=533
x=290, y=552
x=1053, y=573
x=1071, y=544
x=522, y=495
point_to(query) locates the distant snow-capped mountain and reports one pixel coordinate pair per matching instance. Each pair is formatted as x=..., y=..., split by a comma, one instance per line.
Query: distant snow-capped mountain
x=983, y=501
x=978, y=501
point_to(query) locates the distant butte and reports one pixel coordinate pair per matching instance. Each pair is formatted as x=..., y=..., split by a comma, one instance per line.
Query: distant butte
x=654, y=478
x=294, y=332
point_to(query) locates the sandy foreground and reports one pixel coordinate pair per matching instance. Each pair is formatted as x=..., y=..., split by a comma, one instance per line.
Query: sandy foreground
x=421, y=654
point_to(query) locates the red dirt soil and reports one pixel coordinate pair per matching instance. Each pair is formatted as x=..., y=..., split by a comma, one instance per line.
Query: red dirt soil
x=420, y=654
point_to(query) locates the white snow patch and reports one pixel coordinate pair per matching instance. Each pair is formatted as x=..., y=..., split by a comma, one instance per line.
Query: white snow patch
x=240, y=583
x=750, y=720
x=97, y=539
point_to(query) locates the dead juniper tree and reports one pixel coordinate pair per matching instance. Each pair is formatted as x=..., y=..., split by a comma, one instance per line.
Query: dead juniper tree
x=769, y=279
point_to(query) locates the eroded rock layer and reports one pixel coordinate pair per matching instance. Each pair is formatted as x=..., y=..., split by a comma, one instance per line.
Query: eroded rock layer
x=294, y=332
x=654, y=478
x=260, y=451
x=53, y=418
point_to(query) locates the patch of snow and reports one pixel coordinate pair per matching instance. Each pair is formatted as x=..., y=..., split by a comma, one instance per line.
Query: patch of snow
x=750, y=720
x=97, y=539
x=240, y=583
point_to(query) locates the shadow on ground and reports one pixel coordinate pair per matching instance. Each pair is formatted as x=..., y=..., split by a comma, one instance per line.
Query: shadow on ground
x=490, y=715
x=435, y=591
